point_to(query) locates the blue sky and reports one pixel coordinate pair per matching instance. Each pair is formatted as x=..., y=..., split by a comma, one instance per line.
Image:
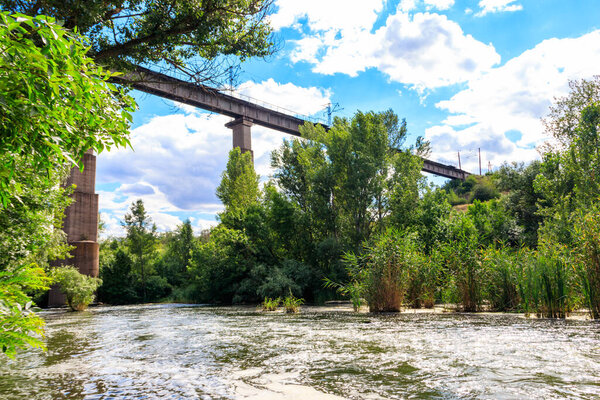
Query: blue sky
x=466, y=74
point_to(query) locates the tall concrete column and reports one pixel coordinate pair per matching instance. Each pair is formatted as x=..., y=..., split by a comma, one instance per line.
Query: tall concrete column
x=242, y=136
x=81, y=224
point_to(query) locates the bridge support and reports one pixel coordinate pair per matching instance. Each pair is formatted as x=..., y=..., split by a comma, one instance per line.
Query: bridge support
x=81, y=225
x=242, y=135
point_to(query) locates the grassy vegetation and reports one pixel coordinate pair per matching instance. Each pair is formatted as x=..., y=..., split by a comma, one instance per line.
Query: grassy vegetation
x=269, y=304
x=291, y=304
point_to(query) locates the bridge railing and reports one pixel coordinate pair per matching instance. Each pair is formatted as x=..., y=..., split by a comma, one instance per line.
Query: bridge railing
x=270, y=106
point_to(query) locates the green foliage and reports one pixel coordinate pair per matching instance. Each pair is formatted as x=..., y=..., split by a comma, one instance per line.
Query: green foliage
x=424, y=278
x=239, y=183
x=141, y=241
x=587, y=255
x=56, y=103
x=569, y=177
x=78, y=288
x=383, y=270
x=270, y=304
x=565, y=115
x=461, y=258
x=157, y=288
x=483, y=191
x=430, y=218
x=521, y=201
x=493, y=224
x=220, y=265
x=175, y=259
x=502, y=270
x=291, y=304
x=353, y=289
x=117, y=280
x=189, y=36
x=473, y=188
x=20, y=327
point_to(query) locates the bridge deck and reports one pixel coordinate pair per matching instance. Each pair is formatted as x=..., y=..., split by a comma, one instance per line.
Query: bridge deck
x=211, y=99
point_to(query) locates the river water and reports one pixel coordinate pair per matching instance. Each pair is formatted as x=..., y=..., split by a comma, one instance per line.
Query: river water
x=195, y=352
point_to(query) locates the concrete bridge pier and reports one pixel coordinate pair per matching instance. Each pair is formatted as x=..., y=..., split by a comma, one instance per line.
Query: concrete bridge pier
x=81, y=225
x=242, y=135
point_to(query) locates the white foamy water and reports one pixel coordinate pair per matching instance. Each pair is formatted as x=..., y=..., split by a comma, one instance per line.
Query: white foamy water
x=194, y=352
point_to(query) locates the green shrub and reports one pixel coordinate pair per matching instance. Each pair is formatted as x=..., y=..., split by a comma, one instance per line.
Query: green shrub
x=78, y=288
x=484, y=191
x=20, y=327
x=269, y=304
x=292, y=304
x=157, y=288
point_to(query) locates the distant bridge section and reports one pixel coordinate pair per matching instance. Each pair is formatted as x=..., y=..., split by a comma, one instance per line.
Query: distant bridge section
x=447, y=171
x=245, y=113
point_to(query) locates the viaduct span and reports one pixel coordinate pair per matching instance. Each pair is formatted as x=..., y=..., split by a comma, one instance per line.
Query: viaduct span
x=81, y=217
x=245, y=113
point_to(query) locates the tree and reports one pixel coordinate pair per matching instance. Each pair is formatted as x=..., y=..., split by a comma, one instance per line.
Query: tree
x=141, y=239
x=346, y=172
x=49, y=118
x=55, y=104
x=190, y=37
x=565, y=115
x=239, y=183
x=569, y=177
x=117, y=281
x=175, y=260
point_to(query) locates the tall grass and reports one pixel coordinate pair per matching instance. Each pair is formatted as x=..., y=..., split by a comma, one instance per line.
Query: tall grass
x=383, y=270
x=461, y=258
x=587, y=256
x=502, y=266
x=423, y=281
x=545, y=282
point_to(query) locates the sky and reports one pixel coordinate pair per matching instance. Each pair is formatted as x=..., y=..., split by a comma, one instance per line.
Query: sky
x=466, y=75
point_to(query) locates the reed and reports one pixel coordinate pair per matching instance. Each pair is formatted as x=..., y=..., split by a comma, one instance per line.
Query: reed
x=292, y=304
x=501, y=277
x=270, y=304
x=587, y=255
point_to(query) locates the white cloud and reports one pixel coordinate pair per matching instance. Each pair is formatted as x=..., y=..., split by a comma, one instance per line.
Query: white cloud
x=422, y=50
x=513, y=97
x=407, y=5
x=299, y=100
x=178, y=159
x=496, y=6
x=336, y=15
x=439, y=4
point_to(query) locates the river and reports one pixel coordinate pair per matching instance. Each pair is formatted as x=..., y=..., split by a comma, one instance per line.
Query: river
x=198, y=352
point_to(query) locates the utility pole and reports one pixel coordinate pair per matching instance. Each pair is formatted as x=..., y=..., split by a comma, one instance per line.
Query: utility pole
x=480, y=161
x=459, y=166
x=331, y=108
